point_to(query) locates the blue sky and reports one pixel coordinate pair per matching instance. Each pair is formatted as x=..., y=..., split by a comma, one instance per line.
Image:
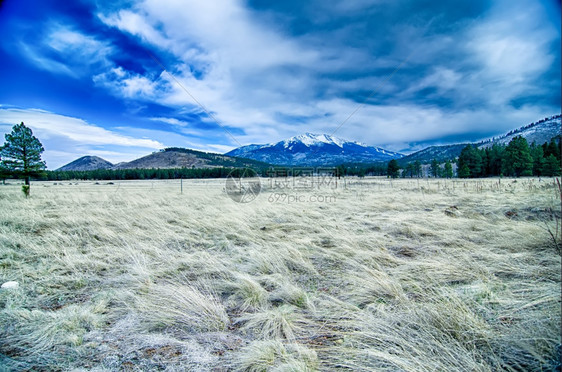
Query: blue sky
x=86, y=75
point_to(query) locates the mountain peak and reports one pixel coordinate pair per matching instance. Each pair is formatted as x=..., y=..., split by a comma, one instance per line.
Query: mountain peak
x=312, y=149
x=86, y=163
x=315, y=139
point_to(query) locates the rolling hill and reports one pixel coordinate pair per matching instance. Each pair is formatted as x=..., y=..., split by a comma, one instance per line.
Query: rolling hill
x=86, y=163
x=539, y=132
x=173, y=157
x=440, y=153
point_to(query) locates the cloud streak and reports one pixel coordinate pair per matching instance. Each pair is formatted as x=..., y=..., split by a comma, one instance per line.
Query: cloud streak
x=252, y=75
x=64, y=50
x=58, y=132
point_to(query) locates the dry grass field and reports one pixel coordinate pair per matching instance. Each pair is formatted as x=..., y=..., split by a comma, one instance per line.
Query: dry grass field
x=402, y=275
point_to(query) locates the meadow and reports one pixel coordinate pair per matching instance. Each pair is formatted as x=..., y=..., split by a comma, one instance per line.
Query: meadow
x=375, y=274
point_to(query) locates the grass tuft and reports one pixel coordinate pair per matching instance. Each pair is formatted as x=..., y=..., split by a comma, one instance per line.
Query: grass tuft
x=281, y=322
x=180, y=306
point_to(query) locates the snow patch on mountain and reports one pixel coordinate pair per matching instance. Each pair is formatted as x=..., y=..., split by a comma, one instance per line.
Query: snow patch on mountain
x=314, y=149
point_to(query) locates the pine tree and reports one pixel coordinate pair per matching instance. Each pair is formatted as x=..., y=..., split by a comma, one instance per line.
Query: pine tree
x=341, y=171
x=470, y=163
x=417, y=170
x=406, y=171
x=4, y=172
x=463, y=171
x=448, y=171
x=552, y=149
x=538, y=159
x=435, y=169
x=551, y=166
x=21, y=154
x=495, y=156
x=393, y=169
x=517, y=159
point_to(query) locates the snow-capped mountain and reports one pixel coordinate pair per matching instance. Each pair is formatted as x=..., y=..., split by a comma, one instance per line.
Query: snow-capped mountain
x=313, y=150
x=539, y=132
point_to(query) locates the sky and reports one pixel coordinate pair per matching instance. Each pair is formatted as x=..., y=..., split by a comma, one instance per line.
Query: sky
x=121, y=79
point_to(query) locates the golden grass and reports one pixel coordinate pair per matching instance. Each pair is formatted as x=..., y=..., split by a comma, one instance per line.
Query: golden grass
x=413, y=275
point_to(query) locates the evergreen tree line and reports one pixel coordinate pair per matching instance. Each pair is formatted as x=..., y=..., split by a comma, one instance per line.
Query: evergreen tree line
x=188, y=173
x=514, y=160
x=436, y=170
x=361, y=170
x=140, y=174
x=414, y=169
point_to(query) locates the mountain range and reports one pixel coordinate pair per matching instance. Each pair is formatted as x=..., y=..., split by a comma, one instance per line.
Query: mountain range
x=314, y=149
x=311, y=150
x=172, y=157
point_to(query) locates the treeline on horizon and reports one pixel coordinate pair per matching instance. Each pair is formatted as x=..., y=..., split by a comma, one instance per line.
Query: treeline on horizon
x=142, y=174
x=194, y=173
x=516, y=159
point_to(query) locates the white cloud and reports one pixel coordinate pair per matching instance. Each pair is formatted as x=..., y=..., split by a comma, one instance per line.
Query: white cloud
x=73, y=128
x=75, y=135
x=66, y=51
x=512, y=44
x=252, y=75
x=241, y=60
x=127, y=84
x=173, y=121
x=393, y=126
x=184, y=127
x=221, y=149
x=135, y=24
x=70, y=42
x=46, y=63
x=443, y=79
x=513, y=48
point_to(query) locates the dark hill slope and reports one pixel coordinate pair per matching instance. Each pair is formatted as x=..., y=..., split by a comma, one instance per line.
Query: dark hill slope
x=86, y=163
